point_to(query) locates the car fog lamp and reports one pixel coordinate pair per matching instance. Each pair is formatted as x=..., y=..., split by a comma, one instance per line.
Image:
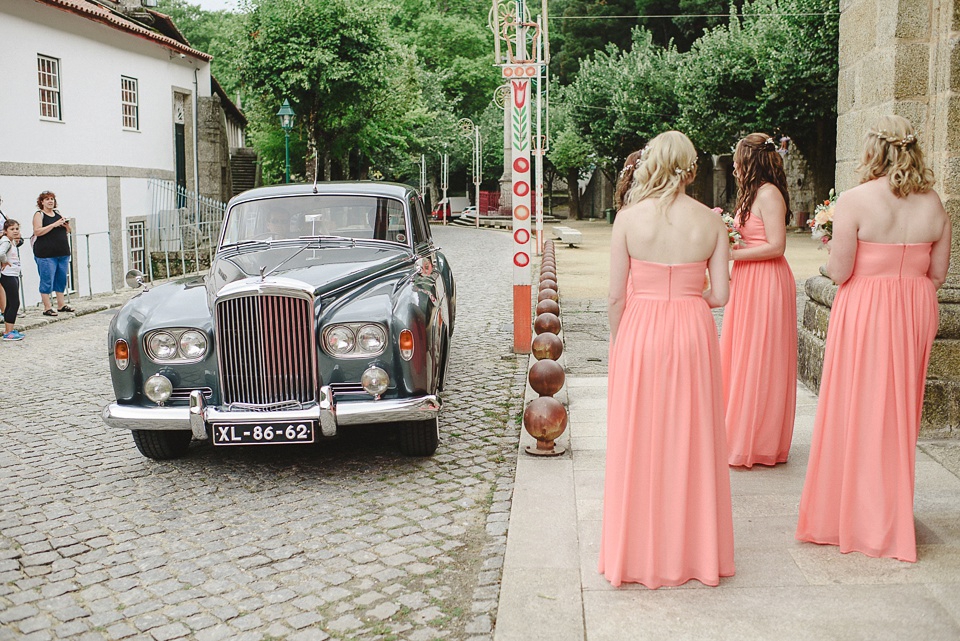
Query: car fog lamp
x=371, y=339
x=162, y=346
x=405, y=343
x=340, y=340
x=121, y=354
x=193, y=344
x=375, y=381
x=158, y=388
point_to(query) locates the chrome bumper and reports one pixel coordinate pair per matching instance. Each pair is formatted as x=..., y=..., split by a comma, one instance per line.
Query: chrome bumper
x=331, y=415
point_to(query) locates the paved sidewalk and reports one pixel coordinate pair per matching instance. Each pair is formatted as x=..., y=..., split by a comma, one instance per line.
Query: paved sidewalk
x=782, y=589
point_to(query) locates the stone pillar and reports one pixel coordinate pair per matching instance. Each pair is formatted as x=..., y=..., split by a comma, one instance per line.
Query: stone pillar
x=214, y=170
x=898, y=56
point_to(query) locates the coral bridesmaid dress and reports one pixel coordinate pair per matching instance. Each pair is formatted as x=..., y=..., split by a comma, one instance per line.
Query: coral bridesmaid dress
x=858, y=492
x=667, y=516
x=758, y=349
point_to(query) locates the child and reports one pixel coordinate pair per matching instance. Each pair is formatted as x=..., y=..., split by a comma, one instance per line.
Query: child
x=10, y=277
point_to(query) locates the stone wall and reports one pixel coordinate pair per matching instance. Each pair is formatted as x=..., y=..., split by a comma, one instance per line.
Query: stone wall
x=214, y=167
x=899, y=56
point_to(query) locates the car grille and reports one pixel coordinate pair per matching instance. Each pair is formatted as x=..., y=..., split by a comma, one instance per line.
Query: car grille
x=266, y=351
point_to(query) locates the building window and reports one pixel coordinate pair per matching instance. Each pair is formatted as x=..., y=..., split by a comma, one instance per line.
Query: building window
x=48, y=71
x=129, y=102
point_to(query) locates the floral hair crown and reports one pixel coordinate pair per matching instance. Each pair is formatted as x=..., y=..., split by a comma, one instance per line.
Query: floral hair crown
x=886, y=136
x=680, y=170
x=626, y=168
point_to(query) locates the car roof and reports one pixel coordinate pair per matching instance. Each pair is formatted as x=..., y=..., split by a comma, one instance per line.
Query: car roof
x=360, y=188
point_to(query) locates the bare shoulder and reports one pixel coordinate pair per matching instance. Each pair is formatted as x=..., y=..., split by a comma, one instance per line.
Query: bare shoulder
x=768, y=195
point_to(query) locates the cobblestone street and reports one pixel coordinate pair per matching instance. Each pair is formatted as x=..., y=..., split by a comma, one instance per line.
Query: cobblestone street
x=344, y=540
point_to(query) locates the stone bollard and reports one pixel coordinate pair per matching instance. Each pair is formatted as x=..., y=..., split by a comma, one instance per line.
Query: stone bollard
x=545, y=418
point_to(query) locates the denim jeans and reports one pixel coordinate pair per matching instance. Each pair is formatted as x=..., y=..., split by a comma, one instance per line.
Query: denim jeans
x=53, y=273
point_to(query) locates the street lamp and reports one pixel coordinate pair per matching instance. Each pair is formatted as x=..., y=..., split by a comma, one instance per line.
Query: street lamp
x=286, y=123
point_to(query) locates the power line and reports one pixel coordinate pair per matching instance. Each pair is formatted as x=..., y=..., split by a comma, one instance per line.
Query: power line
x=696, y=15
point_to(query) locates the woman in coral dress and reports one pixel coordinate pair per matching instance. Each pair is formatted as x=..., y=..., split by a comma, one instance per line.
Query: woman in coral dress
x=758, y=342
x=667, y=515
x=889, y=254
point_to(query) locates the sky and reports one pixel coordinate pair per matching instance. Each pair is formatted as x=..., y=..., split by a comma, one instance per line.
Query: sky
x=215, y=5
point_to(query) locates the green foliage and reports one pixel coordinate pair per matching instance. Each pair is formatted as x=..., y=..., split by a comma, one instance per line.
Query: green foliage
x=213, y=32
x=772, y=70
x=585, y=31
x=762, y=73
x=568, y=149
x=622, y=99
x=328, y=57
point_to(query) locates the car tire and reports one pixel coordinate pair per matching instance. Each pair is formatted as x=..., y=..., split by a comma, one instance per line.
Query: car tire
x=419, y=438
x=162, y=445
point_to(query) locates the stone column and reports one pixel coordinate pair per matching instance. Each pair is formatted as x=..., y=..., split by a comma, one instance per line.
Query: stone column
x=898, y=56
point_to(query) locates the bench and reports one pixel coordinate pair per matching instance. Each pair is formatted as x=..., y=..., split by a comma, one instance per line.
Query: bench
x=567, y=235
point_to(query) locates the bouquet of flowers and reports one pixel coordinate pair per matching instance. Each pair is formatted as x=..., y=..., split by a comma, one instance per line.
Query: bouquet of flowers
x=733, y=234
x=822, y=228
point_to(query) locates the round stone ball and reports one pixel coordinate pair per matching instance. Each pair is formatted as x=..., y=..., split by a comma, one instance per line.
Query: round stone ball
x=547, y=345
x=548, y=294
x=545, y=418
x=546, y=377
x=546, y=322
x=547, y=283
x=549, y=272
x=548, y=306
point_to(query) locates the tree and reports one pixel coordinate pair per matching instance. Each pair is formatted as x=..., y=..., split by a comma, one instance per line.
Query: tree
x=582, y=30
x=622, y=99
x=773, y=70
x=569, y=153
x=329, y=58
x=213, y=32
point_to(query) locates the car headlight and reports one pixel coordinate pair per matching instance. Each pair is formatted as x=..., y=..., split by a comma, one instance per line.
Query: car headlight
x=162, y=346
x=354, y=340
x=340, y=340
x=158, y=388
x=371, y=339
x=375, y=381
x=175, y=345
x=193, y=344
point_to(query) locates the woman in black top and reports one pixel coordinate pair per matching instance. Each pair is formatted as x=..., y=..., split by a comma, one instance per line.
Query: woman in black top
x=51, y=251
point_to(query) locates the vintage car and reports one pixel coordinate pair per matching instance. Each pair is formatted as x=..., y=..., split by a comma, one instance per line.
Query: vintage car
x=325, y=306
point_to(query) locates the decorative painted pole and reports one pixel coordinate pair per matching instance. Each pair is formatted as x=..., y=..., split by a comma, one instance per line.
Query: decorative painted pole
x=518, y=70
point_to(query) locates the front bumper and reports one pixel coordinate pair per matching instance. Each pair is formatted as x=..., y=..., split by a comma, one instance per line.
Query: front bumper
x=330, y=414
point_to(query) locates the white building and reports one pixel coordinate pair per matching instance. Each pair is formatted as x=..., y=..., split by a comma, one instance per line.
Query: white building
x=95, y=102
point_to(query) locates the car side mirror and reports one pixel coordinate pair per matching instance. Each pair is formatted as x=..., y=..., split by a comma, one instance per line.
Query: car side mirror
x=134, y=278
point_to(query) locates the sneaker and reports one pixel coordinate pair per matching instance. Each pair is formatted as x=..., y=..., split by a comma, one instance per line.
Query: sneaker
x=19, y=333
x=13, y=336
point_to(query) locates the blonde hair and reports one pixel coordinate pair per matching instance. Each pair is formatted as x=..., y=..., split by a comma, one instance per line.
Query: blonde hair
x=666, y=165
x=892, y=149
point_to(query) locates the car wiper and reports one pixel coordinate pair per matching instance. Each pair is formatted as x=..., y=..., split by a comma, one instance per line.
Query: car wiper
x=242, y=243
x=321, y=237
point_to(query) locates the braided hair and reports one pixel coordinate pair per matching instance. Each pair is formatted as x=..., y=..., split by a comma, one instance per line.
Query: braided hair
x=892, y=149
x=625, y=179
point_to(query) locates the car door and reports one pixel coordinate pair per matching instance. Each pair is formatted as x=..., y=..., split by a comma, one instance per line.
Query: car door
x=429, y=283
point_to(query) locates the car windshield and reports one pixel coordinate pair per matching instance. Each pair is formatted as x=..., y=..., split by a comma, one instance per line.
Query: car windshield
x=270, y=219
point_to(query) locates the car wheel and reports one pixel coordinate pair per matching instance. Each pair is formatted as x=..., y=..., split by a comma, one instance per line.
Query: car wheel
x=162, y=445
x=419, y=438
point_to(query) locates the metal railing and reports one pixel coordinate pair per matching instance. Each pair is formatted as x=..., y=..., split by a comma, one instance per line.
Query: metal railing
x=181, y=225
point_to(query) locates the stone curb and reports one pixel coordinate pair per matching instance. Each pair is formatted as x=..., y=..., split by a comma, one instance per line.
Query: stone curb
x=540, y=588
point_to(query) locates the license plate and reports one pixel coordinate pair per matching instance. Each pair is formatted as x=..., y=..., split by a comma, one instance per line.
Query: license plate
x=263, y=433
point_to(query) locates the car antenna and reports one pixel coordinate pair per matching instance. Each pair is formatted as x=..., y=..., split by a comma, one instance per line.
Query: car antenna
x=316, y=170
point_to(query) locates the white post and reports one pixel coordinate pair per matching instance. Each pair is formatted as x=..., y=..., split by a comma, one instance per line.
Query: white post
x=538, y=149
x=423, y=175
x=478, y=168
x=444, y=168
